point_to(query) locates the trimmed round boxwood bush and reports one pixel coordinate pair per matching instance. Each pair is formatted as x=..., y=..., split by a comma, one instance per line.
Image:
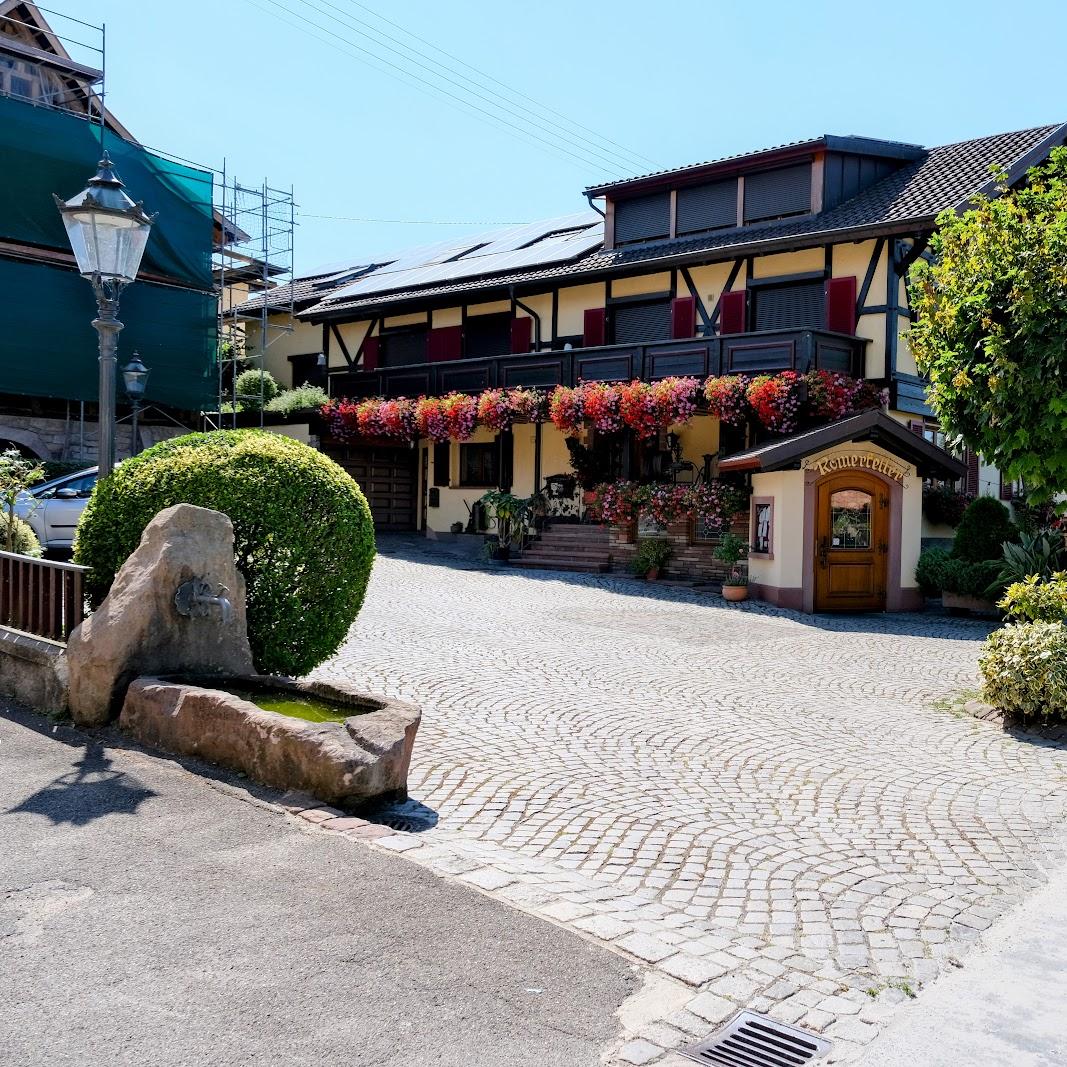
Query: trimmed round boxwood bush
x=985, y=527
x=303, y=535
x=1025, y=670
x=248, y=385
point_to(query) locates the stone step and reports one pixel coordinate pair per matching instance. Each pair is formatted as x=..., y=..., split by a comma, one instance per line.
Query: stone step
x=539, y=564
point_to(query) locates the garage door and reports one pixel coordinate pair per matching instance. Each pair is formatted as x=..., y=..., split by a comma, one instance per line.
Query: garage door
x=387, y=478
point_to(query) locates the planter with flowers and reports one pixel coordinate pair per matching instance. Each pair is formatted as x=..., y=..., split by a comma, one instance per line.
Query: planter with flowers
x=731, y=550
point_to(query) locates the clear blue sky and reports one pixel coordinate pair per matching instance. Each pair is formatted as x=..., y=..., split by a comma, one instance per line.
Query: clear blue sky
x=677, y=83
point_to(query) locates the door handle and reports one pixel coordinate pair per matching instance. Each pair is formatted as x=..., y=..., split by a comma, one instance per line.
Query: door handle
x=824, y=551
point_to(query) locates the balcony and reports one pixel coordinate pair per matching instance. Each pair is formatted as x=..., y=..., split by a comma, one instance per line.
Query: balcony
x=767, y=352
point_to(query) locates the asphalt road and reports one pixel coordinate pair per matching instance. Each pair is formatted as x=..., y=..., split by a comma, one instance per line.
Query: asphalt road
x=149, y=915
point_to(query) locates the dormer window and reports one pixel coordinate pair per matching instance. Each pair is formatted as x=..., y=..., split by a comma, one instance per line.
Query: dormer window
x=707, y=207
x=643, y=218
x=775, y=194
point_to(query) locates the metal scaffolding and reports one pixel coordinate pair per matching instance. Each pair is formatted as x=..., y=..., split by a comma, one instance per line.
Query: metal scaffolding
x=253, y=257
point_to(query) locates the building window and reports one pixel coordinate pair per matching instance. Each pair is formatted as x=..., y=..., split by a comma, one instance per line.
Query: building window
x=797, y=305
x=642, y=218
x=641, y=322
x=761, y=542
x=307, y=370
x=773, y=194
x=402, y=346
x=487, y=335
x=479, y=466
x=707, y=207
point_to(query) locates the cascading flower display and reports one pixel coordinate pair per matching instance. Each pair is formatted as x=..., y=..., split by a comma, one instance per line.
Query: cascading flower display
x=775, y=401
x=618, y=503
x=396, y=419
x=461, y=412
x=675, y=400
x=637, y=409
x=340, y=418
x=565, y=408
x=832, y=395
x=727, y=398
x=600, y=405
x=494, y=410
x=431, y=419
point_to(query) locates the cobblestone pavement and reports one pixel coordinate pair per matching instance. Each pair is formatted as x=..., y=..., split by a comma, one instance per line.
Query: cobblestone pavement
x=764, y=807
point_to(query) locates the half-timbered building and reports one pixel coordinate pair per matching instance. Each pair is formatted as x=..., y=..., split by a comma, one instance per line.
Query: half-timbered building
x=788, y=259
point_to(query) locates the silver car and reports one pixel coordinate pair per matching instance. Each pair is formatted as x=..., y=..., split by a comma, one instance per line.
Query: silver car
x=54, y=508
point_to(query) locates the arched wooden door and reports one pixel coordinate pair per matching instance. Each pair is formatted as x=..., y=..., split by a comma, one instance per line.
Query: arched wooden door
x=851, y=543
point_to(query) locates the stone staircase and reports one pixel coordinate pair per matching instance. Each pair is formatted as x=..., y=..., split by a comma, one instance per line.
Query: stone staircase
x=573, y=547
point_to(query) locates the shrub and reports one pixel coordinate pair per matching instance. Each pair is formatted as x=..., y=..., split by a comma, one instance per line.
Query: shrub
x=1025, y=669
x=23, y=541
x=303, y=398
x=302, y=531
x=930, y=571
x=984, y=529
x=651, y=553
x=980, y=580
x=1037, y=599
x=248, y=389
x=943, y=506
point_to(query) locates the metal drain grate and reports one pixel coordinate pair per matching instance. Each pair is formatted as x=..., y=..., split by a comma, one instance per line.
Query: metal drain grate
x=751, y=1040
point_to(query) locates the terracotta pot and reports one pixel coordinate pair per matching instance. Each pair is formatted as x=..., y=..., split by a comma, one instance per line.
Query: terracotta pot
x=652, y=574
x=735, y=592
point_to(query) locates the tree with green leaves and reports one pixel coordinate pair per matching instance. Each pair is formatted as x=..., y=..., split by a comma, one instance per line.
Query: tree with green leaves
x=991, y=327
x=17, y=474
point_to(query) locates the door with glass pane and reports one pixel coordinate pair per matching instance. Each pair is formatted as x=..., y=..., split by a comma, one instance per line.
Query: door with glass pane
x=851, y=544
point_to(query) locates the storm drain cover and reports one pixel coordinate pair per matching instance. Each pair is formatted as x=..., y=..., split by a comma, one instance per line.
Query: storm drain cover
x=751, y=1040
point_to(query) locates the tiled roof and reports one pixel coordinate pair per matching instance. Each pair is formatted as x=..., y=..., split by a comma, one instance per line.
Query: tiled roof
x=306, y=290
x=868, y=145
x=907, y=200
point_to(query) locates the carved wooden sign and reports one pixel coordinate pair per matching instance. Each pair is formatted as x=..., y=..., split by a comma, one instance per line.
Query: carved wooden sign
x=871, y=461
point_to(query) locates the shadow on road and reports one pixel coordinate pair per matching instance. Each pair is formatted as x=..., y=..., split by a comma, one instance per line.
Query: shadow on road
x=90, y=791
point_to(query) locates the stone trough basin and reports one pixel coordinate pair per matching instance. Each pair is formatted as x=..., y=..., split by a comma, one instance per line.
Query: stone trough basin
x=342, y=746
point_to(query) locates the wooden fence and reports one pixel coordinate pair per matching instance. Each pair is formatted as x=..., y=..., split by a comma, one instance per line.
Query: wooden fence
x=40, y=596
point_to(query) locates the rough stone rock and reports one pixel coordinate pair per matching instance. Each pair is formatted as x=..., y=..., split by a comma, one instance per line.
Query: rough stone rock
x=137, y=629
x=344, y=763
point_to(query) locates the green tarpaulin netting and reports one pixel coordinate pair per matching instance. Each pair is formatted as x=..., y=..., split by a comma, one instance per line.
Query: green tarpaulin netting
x=47, y=345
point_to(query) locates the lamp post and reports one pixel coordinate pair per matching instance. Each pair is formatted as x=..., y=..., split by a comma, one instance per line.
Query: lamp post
x=107, y=233
x=135, y=378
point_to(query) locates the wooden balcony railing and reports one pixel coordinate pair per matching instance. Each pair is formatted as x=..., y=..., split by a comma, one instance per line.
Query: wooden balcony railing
x=766, y=352
x=40, y=596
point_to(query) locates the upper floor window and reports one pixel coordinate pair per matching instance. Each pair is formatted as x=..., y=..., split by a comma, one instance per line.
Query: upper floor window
x=487, y=335
x=641, y=321
x=643, y=218
x=402, y=346
x=707, y=207
x=772, y=194
x=796, y=305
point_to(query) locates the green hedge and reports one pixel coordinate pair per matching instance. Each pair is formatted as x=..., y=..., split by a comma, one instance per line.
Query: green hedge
x=972, y=579
x=930, y=571
x=304, y=539
x=1025, y=670
x=985, y=527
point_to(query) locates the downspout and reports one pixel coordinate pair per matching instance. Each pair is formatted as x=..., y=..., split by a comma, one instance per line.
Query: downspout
x=589, y=197
x=533, y=315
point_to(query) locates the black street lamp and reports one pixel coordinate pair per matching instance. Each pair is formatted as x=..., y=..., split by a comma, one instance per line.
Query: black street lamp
x=107, y=233
x=135, y=378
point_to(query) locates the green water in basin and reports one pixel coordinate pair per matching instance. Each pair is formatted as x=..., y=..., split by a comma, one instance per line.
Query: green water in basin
x=298, y=705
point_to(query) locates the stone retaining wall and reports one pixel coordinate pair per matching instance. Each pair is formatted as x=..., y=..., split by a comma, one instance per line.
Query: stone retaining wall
x=63, y=439
x=33, y=670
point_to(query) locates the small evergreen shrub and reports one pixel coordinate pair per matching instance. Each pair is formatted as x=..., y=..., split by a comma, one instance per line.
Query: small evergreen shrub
x=980, y=580
x=1025, y=670
x=930, y=571
x=303, y=398
x=1037, y=599
x=25, y=541
x=303, y=535
x=983, y=531
x=248, y=385
x=651, y=553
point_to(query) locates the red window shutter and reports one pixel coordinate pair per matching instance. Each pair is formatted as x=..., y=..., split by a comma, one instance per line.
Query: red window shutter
x=370, y=353
x=521, y=334
x=1007, y=489
x=683, y=316
x=972, y=472
x=917, y=426
x=595, y=327
x=444, y=343
x=841, y=305
x=732, y=309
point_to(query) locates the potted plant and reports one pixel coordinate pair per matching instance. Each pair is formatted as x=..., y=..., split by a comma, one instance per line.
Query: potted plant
x=731, y=550
x=511, y=516
x=651, y=558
